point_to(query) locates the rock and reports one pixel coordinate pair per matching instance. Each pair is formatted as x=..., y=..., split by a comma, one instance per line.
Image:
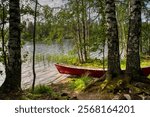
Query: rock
x=147, y=98
x=116, y=97
x=142, y=97
x=127, y=96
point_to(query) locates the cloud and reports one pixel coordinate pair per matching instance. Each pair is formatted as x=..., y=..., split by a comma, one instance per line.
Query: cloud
x=52, y=3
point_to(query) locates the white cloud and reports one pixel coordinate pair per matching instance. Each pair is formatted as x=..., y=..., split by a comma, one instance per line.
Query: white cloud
x=52, y=3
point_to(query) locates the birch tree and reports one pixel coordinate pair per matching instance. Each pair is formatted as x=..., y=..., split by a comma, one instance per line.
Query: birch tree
x=13, y=74
x=113, y=40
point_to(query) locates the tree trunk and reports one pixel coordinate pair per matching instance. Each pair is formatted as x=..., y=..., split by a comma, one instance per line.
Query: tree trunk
x=121, y=27
x=79, y=43
x=3, y=37
x=13, y=75
x=103, y=22
x=34, y=35
x=84, y=31
x=113, y=40
x=88, y=23
x=133, y=57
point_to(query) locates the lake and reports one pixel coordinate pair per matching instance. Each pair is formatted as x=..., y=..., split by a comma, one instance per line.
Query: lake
x=57, y=49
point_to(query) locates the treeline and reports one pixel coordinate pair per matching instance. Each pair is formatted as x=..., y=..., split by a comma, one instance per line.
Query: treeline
x=84, y=21
x=80, y=20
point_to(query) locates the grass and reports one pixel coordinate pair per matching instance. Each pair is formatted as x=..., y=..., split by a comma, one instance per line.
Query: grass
x=96, y=63
x=79, y=84
x=41, y=92
x=43, y=89
x=57, y=59
x=93, y=63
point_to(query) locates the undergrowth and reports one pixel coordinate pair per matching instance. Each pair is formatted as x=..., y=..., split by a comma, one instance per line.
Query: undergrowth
x=94, y=63
x=43, y=89
x=79, y=84
x=57, y=59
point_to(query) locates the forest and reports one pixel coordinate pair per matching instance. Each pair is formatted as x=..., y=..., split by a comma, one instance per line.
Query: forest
x=108, y=38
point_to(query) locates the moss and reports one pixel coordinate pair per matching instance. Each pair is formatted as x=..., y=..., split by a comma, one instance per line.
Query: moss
x=104, y=84
x=114, y=85
x=134, y=89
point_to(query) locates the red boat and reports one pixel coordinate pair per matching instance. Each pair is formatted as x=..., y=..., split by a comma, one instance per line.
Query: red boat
x=79, y=71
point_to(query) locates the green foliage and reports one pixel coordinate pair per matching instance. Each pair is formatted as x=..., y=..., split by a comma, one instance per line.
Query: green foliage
x=43, y=89
x=145, y=63
x=148, y=77
x=63, y=59
x=80, y=84
x=93, y=63
x=40, y=92
x=58, y=59
x=97, y=63
x=145, y=43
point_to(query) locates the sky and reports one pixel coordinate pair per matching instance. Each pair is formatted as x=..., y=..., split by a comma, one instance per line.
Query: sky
x=52, y=3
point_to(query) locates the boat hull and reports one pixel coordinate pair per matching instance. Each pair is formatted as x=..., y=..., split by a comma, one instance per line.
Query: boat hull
x=146, y=71
x=79, y=71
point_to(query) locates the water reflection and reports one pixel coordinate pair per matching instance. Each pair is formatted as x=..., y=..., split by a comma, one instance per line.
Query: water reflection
x=54, y=48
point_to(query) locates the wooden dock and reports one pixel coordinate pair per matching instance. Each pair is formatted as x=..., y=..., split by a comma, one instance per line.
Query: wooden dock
x=45, y=74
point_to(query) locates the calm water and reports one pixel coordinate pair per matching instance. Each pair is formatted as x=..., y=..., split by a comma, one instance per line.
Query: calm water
x=57, y=49
x=54, y=48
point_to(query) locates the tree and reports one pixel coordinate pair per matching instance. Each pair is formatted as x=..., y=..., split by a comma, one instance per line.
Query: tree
x=133, y=58
x=84, y=29
x=34, y=35
x=122, y=19
x=13, y=74
x=3, y=18
x=80, y=27
x=78, y=33
x=113, y=40
x=145, y=41
x=145, y=38
x=103, y=27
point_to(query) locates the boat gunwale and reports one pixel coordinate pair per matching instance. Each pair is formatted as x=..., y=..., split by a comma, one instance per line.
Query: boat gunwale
x=88, y=68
